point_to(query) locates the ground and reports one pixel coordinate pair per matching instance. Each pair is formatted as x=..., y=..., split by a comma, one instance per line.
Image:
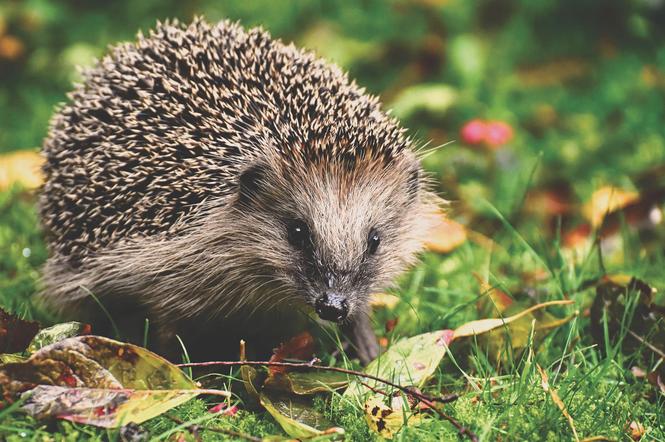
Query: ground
x=534, y=114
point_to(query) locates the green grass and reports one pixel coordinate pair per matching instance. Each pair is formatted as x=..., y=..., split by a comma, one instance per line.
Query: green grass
x=506, y=403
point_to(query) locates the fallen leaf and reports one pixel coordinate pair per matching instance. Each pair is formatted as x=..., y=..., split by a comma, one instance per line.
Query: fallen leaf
x=383, y=300
x=636, y=430
x=58, y=332
x=107, y=383
x=297, y=416
x=409, y=362
x=8, y=358
x=388, y=420
x=446, y=236
x=102, y=407
x=15, y=333
x=305, y=383
x=298, y=347
x=23, y=167
x=606, y=200
x=485, y=325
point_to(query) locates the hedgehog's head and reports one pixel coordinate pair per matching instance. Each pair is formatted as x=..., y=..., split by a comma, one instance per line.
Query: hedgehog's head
x=334, y=231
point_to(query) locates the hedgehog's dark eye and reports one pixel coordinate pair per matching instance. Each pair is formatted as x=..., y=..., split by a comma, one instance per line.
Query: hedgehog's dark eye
x=373, y=241
x=298, y=234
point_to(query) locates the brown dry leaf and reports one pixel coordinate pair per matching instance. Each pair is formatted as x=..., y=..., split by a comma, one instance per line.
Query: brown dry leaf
x=492, y=301
x=606, y=200
x=556, y=399
x=446, y=236
x=636, y=430
x=22, y=167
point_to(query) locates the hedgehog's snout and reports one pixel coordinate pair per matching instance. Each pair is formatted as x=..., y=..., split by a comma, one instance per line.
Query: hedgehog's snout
x=332, y=306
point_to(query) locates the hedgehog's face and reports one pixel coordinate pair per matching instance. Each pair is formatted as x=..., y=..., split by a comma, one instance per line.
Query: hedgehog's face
x=333, y=236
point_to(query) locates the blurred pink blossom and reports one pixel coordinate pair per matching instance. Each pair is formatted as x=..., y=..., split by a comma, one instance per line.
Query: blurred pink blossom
x=474, y=131
x=493, y=134
x=498, y=133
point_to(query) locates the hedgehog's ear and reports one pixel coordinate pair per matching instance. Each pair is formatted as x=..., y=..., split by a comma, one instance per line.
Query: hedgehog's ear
x=250, y=182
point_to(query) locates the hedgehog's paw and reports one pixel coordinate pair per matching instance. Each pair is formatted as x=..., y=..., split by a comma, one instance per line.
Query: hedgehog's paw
x=362, y=338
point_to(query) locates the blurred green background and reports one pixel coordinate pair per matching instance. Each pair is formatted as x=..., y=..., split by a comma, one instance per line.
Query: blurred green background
x=580, y=82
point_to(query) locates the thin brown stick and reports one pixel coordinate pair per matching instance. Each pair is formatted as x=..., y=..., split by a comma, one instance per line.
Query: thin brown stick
x=429, y=401
x=196, y=427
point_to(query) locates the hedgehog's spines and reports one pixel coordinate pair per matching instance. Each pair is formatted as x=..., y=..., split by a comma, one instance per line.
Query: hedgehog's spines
x=160, y=125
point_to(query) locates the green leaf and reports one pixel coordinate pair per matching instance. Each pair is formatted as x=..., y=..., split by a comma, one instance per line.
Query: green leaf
x=305, y=383
x=297, y=416
x=58, y=332
x=409, y=362
x=8, y=358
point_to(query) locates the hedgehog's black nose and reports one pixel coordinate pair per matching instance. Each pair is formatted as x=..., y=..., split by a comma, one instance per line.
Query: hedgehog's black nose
x=332, y=307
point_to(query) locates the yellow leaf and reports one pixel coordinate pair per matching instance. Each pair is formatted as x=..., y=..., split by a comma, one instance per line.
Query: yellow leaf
x=605, y=200
x=23, y=168
x=385, y=420
x=446, y=236
x=383, y=300
x=484, y=325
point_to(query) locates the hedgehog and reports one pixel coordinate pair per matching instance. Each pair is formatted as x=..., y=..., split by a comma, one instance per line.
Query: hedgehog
x=213, y=184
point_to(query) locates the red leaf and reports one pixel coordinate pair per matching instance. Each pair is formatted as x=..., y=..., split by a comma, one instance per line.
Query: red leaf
x=224, y=409
x=298, y=347
x=15, y=333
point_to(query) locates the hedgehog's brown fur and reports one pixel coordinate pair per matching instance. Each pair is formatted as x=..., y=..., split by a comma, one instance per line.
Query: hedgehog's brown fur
x=143, y=199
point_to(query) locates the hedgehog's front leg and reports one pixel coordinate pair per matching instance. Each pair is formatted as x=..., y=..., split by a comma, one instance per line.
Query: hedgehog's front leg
x=362, y=337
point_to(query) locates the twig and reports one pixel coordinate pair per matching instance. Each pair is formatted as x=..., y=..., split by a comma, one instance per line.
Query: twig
x=372, y=389
x=236, y=434
x=429, y=401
